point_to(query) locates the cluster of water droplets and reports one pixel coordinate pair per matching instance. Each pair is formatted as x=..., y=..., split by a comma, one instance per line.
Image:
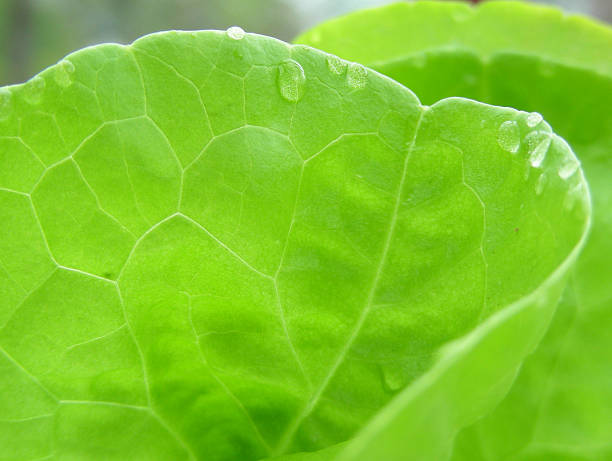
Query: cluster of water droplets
x=536, y=143
x=292, y=79
x=356, y=74
x=64, y=73
x=34, y=89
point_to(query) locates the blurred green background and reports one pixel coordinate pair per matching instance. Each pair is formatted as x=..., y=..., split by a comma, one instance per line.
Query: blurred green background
x=37, y=33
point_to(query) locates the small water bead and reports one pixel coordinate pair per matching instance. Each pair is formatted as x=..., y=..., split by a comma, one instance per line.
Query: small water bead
x=64, y=73
x=541, y=183
x=537, y=143
x=572, y=196
x=509, y=136
x=393, y=378
x=235, y=33
x=5, y=103
x=291, y=80
x=34, y=89
x=356, y=76
x=569, y=166
x=336, y=65
x=534, y=119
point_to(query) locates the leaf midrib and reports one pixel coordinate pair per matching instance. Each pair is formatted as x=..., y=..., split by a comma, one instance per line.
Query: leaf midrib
x=288, y=435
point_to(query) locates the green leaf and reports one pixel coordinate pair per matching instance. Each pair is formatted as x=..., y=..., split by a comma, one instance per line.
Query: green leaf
x=536, y=59
x=220, y=246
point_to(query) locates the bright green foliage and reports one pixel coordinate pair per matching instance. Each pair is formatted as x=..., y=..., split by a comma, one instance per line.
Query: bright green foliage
x=219, y=246
x=535, y=59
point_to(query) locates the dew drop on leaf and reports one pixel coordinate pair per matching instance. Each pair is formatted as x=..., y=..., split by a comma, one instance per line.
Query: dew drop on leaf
x=291, y=80
x=235, y=33
x=356, y=75
x=533, y=119
x=537, y=143
x=34, y=89
x=336, y=65
x=541, y=184
x=572, y=196
x=568, y=167
x=64, y=73
x=509, y=136
x=393, y=378
x=5, y=103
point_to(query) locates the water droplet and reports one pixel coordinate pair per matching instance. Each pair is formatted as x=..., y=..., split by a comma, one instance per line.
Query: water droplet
x=64, y=73
x=568, y=167
x=357, y=75
x=393, y=378
x=291, y=80
x=5, y=103
x=509, y=136
x=34, y=89
x=235, y=33
x=541, y=184
x=336, y=65
x=534, y=119
x=538, y=143
x=572, y=196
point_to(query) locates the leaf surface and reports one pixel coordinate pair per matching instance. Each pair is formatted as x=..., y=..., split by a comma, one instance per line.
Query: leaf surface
x=536, y=59
x=220, y=246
